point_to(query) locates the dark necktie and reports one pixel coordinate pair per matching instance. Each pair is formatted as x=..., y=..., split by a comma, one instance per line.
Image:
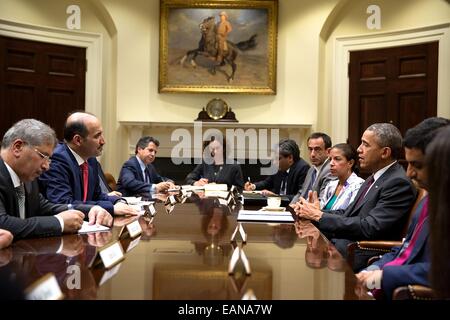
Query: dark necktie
x=20, y=192
x=368, y=183
x=283, y=185
x=147, y=175
x=85, y=174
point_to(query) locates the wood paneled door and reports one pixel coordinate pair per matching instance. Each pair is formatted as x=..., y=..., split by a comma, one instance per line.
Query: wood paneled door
x=40, y=80
x=396, y=85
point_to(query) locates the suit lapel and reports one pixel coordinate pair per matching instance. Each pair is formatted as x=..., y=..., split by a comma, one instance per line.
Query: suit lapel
x=9, y=186
x=78, y=177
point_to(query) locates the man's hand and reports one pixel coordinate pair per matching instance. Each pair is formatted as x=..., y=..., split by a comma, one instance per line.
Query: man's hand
x=122, y=209
x=162, y=187
x=99, y=216
x=267, y=193
x=201, y=182
x=115, y=193
x=308, y=210
x=6, y=238
x=248, y=186
x=73, y=220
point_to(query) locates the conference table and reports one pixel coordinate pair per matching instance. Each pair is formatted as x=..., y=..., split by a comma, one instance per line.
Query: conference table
x=184, y=252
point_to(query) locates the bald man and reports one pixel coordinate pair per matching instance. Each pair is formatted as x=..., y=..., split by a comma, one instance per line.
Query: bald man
x=73, y=175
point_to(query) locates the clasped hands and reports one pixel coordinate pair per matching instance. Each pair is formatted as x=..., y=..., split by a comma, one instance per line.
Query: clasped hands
x=308, y=209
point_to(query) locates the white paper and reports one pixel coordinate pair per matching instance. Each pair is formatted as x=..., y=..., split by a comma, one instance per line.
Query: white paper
x=216, y=187
x=133, y=200
x=264, y=216
x=188, y=187
x=86, y=228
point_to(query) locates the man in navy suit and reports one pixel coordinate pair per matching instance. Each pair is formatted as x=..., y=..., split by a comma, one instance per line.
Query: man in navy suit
x=290, y=176
x=73, y=175
x=410, y=262
x=380, y=209
x=138, y=176
x=25, y=154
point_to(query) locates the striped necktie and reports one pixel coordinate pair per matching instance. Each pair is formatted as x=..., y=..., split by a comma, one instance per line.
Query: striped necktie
x=20, y=192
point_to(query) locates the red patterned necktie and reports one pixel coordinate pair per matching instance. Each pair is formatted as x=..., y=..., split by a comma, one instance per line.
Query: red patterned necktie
x=85, y=172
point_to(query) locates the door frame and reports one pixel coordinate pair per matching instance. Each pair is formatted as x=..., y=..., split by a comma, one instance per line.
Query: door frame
x=91, y=41
x=340, y=81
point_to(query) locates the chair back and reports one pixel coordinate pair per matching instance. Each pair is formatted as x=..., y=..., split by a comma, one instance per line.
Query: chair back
x=421, y=193
x=111, y=181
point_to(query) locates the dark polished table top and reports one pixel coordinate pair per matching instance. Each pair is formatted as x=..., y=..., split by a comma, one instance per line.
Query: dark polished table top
x=185, y=254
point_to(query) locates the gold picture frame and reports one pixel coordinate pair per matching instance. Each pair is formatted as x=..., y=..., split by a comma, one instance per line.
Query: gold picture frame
x=195, y=58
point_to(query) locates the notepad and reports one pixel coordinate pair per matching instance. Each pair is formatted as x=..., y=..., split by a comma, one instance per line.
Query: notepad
x=264, y=216
x=87, y=228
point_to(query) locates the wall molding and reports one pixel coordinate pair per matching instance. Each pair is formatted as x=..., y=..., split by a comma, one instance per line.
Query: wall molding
x=91, y=41
x=344, y=45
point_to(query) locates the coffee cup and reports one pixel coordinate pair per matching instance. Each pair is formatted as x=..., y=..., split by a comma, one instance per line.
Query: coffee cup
x=273, y=202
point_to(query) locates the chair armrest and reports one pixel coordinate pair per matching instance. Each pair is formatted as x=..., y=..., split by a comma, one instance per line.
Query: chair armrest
x=414, y=292
x=382, y=246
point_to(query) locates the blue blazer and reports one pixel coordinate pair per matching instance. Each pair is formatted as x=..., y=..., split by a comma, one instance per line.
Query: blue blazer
x=131, y=181
x=415, y=269
x=63, y=183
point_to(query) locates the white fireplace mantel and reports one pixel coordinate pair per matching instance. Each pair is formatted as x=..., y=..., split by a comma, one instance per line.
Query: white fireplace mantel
x=163, y=131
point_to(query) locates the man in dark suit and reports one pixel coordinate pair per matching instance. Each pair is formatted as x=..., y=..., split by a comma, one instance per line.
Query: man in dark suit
x=73, y=176
x=319, y=145
x=410, y=262
x=290, y=176
x=380, y=209
x=138, y=177
x=25, y=154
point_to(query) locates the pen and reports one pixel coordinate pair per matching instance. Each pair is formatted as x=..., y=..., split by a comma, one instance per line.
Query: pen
x=248, y=179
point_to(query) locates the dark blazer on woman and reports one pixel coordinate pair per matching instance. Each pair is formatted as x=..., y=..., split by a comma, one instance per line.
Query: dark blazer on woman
x=231, y=174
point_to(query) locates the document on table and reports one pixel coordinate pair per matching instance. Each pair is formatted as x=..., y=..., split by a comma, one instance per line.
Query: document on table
x=264, y=216
x=86, y=228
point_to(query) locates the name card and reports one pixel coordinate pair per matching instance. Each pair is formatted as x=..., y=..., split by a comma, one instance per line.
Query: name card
x=151, y=210
x=111, y=254
x=46, y=288
x=134, y=229
x=172, y=199
x=223, y=202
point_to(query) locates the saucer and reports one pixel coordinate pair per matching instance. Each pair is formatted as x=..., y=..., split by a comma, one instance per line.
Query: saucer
x=273, y=208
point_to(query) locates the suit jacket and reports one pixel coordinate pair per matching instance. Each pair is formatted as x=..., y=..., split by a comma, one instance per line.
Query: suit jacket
x=132, y=182
x=63, y=183
x=38, y=211
x=380, y=215
x=322, y=179
x=102, y=180
x=295, y=178
x=416, y=268
x=231, y=174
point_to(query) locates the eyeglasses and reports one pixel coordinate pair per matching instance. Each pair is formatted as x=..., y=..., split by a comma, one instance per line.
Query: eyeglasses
x=43, y=156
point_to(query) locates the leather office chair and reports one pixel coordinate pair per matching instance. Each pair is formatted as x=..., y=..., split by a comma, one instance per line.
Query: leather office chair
x=111, y=181
x=381, y=246
x=413, y=292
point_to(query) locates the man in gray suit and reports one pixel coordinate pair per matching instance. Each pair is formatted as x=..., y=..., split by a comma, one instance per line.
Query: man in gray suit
x=25, y=155
x=380, y=209
x=319, y=145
